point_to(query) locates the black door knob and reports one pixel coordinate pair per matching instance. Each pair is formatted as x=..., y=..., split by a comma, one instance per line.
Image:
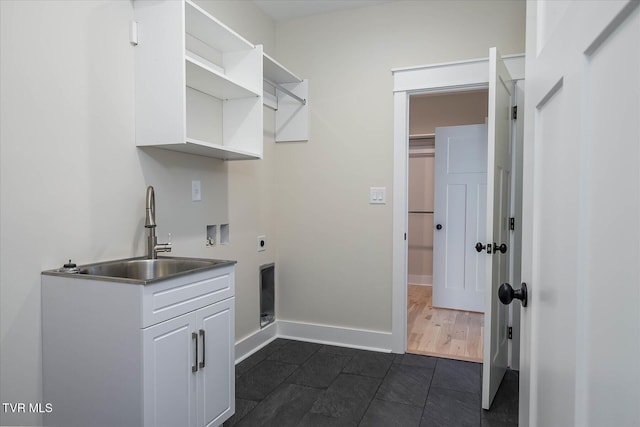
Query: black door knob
x=506, y=294
x=439, y=227
x=500, y=248
x=479, y=247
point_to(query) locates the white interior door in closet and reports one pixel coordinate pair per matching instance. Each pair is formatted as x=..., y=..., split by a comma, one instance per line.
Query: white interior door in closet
x=459, y=271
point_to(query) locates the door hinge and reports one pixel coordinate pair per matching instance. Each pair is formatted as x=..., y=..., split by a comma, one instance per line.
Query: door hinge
x=514, y=112
x=512, y=223
x=405, y=236
x=510, y=332
x=133, y=33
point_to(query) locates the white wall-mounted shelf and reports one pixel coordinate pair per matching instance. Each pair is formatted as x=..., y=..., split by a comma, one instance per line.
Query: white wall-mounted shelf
x=418, y=136
x=198, y=83
x=420, y=142
x=275, y=72
x=203, y=26
x=203, y=77
x=207, y=149
x=200, y=86
x=288, y=95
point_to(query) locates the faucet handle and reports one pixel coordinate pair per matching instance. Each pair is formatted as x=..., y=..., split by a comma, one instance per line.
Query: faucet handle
x=163, y=247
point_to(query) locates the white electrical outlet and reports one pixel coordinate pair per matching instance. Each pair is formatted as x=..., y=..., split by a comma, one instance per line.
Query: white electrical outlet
x=196, y=191
x=262, y=243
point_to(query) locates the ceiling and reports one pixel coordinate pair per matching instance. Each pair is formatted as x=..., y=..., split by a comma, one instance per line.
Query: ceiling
x=282, y=10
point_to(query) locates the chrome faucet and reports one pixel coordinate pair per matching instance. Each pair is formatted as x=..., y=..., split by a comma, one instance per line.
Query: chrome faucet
x=153, y=247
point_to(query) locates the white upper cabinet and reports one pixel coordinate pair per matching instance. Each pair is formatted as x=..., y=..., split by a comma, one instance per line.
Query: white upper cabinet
x=198, y=83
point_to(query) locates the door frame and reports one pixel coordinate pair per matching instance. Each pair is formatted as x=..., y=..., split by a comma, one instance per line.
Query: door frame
x=433, y=78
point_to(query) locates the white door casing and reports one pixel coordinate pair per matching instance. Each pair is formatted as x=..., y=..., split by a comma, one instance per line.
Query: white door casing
x=448, y=77
x=460, y=217
x=498, y=206
x=580, y=354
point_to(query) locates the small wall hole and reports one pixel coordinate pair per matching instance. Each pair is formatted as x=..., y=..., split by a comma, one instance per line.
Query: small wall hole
x=224, y=234
x=212, y=234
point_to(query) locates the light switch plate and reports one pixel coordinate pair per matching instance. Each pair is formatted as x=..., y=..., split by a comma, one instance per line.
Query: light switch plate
x=377, y=195
x=196, y=191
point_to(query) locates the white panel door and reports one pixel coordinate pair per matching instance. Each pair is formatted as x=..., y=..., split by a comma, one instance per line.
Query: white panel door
x=459, y=272
x=216, y=382
x=580, y=356
x=495, y=358
x=169, y=385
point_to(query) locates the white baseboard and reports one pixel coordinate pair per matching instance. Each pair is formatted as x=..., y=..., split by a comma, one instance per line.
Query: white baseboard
x=309, y=332
x=254, y=342
x=332, y=335
x=418, y=279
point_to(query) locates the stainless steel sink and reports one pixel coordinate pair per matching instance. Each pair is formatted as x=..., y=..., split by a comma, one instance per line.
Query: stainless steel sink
x=143, y=270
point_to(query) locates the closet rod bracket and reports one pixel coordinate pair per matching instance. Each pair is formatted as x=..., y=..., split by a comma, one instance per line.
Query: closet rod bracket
x=287, y=91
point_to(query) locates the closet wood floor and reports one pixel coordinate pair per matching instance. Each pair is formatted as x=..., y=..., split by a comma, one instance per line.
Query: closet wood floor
x=442, y=332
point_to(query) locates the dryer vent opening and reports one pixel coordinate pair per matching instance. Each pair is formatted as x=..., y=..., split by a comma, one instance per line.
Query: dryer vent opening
x=267, y=294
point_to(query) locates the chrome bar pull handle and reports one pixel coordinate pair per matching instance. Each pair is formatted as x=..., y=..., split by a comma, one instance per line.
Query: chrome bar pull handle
x=203, y=348
x=194, y=368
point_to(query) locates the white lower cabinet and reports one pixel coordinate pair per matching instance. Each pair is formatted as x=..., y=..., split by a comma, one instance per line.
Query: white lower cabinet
x=130, y=355
x=216, y=382
x=188, y=370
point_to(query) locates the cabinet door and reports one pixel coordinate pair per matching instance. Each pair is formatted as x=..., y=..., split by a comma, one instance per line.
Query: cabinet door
x=169, y=385
x=216, y=381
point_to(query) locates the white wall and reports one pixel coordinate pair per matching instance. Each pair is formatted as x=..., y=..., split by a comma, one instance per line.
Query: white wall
x=334, y=253
x=245, y=19
x=426, y=112
x=72, y=182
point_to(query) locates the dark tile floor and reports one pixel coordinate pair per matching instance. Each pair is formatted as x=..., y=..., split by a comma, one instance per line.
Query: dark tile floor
x=294, y=383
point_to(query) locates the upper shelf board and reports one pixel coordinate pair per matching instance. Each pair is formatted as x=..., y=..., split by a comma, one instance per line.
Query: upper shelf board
x=209, y=80
x=274, y=72
x=207, y=149
x=422, y=136
x=203, y=26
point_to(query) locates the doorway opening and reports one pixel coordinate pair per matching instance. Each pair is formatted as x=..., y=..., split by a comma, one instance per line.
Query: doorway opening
x=502, y=76
x=452, y=328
